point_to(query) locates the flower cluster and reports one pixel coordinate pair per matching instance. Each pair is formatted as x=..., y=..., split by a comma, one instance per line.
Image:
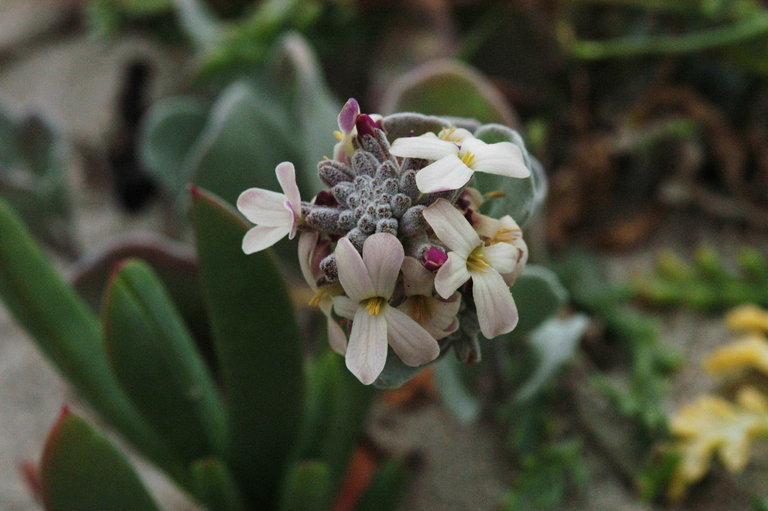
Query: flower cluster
x=395, y=248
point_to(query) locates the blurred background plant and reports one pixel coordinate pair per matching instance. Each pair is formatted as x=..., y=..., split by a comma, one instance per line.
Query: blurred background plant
x=641, y=112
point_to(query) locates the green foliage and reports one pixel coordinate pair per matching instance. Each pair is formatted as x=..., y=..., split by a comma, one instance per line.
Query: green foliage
x=157, y=364
x=32, y=177
x=259, y=356
x=251, y=127
x=307, y=487
x=82, y=471
x=705, y=283
x=641, y=396
x=386, y=489
x=450, y=89
x=545, y=478
x=214, y=485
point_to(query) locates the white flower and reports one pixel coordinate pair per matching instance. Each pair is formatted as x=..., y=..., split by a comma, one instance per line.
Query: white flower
x=455, y=164
x=436, y=315
x=275, y=214
x=471, y=259
x=369, y=282
x=503, y=230
x=323, y=299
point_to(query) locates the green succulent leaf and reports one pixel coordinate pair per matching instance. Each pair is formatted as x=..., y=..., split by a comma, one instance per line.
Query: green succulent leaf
x=386, y=489
x=396, y=373
x=167, y=135
x=215, y=486
x=82, y=471
x=307, y=487
x=243, y=141
x=157, y=364
x=335, y=411
x=448, y=88
x=258, y=346
x=539, y=295
x=454, y=392
x=68, y=334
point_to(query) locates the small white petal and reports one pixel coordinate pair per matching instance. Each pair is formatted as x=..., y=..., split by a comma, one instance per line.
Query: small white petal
x=345, y=307
x=502, y=257
x=367, y=349
x=496, y=310
x=286, y=176
x=447, y=173
x=337, y=339
x=426, y=146
x=503, y=158
x=260, y=237
x=451, y=275
x=383, y=255
x=417, y=280
x=456, y=135
x=451, y=227
x=414, y=345
x=443, y=319
x=264, y=207
x=353, y=273
x=307, y=244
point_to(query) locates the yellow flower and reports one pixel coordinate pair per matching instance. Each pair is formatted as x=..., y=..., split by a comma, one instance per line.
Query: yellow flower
x=712, y=424
x=749, y=352
x=750, y=318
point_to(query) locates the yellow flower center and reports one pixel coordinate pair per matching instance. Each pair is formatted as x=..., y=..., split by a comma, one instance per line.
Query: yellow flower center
x=339, y=135
x=374, y=306
x=476, y=260
x=467, y=158
x=323, y=293
x=447, y=134
x=505, y=235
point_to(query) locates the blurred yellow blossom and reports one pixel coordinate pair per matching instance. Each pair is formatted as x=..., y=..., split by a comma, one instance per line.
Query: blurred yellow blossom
x=749, y=352
x=712, y=424
x=750, y=318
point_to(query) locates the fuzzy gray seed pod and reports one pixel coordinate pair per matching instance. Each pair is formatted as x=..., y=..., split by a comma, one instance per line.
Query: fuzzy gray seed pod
x=367, y=224
x=329, y=268
x=388, y=225
x=408, y=184
x=332, y=172
x=400, y=204
x=364, y=163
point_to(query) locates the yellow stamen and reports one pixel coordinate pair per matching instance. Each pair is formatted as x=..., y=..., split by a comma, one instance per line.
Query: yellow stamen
x=495, y=194
x=447, y=133
x=476, y=260
x=339, y=135
x=373, y=306
x=324, y=293
x=467, y=159
x=506, y=235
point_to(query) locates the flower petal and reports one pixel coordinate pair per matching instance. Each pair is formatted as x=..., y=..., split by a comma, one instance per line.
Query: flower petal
x=353, y=273
x=345, y=307
x=451, y=275
x=503, y=158
x=367, y=349
x=443, y=318
x=383, y=255
x=286, y=176
x=414, y=345
x=417, y=280
x=496, y=310
x=260, y=237
x=337, y=339
x=264, y=207
x=502, y=257
x=348, y=115
x=451, y=227
x=447, y=173
x=426, y=146
x=307, y=244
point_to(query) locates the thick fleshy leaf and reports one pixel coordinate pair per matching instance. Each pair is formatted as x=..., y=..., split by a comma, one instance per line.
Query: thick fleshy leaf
x=82, y=471
x=406, y=124
x=386, y=489
x=308, y=487
x=167, y=134
x=554, y=343
x=157, y=364
x=518, y=197
x=396, y=373
x=258, y=346
x=214, y=486
x=244, y=137
x=68, y=334
x=456, y=397
x=335, y=411
x=539, y=295
x=448, y=88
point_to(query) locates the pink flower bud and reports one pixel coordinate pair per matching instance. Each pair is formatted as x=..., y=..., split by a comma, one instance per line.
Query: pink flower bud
x=434, y=258
x=365, y=125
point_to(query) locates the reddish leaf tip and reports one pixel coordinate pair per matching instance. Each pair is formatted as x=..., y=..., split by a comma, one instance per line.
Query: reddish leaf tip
x=195, y=191
x=31, y=476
